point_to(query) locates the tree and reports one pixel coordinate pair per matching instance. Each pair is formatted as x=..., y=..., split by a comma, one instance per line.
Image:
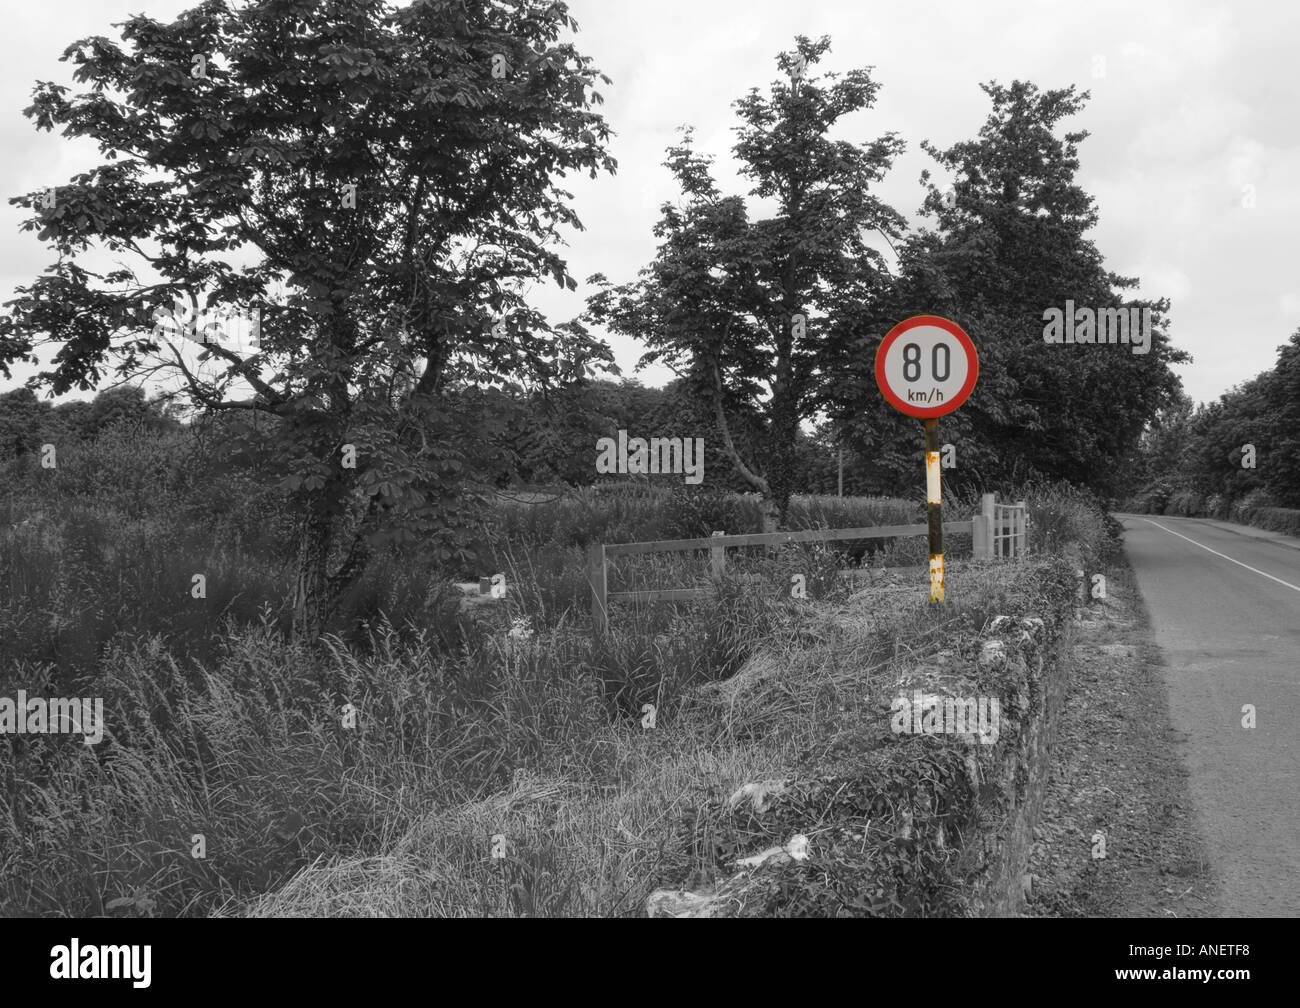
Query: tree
x=393, y=176
x=1155, y=466
x=1243, y=446
x=124, y=405
x=1281, y=470
x=22, y=418
x=1011, y=243
x=743, y=309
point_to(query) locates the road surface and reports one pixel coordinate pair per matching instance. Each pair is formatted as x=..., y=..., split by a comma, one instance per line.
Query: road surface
x=1225, y=607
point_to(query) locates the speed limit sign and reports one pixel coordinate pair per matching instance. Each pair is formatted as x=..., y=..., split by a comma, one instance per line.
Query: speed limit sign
x=926, y=366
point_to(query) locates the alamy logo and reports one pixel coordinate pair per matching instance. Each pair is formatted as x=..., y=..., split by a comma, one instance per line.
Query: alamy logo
x=55, y=716
x=1106, y=325
x=102, y=962
x=923, y=714
x=637, y=456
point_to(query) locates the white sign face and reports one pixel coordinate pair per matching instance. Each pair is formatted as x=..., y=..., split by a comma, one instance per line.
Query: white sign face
x=926, y=369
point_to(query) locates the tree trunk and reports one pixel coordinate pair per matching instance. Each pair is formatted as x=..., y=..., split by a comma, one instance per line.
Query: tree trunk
x=318, y=591
x=769, y=508
x=781, y=438
x=311, y=597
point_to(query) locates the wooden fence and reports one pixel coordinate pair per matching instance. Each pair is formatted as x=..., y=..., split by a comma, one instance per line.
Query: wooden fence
x=997, y=531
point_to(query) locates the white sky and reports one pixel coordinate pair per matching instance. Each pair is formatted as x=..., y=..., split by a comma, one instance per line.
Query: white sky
x=1196, y=101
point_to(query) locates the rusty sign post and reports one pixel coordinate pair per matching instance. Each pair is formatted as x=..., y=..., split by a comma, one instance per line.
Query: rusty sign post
x=934, y=508
x=926, y=366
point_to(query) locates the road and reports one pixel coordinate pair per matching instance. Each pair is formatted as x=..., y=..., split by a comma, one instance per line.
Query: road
x=1225, y=607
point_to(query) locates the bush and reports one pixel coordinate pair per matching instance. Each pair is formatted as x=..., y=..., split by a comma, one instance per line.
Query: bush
x=1151, y=499
x=1185, y=504
x=1062, y=517
x=816, y=512
x=1241, y=511
x=1277, y=519
x=132, y=471
x=1218, y=506
x=689, y=513
x=81, y=574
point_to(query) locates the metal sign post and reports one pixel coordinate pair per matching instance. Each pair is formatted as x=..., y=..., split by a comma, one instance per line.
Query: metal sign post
x=934, y=508
x=927, y=366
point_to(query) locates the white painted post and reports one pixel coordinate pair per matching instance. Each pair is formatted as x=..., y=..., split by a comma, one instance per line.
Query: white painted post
x=1022, y=536
x=982, y=528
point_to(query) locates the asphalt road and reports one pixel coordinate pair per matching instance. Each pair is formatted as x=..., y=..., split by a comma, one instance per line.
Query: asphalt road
x=1225, y=607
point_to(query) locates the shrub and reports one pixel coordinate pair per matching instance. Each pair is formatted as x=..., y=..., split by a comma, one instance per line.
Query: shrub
x=1151, y=499
x=81, y=574
x=689, y=513
x=1218, y=506
x=1186, y=504
x=1242, y=510
x=1061, y=517
x=814, y=512
x=1277, y=519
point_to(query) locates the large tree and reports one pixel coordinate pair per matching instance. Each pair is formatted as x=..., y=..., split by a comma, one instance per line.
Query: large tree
x=1011, y=241
x=743, y=308
x=1281, y=468
x=382, y=184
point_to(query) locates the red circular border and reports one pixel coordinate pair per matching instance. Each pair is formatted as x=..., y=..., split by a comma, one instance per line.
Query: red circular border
x=954, y=330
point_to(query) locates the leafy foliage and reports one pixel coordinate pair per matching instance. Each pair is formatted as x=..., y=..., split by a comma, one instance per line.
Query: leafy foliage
x=396, y=196
x=1010, y=243
x=742, y=309
x=1229, y=458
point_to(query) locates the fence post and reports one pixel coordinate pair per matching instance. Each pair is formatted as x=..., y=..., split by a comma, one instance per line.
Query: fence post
x=718, y=559
x=982, y=528
x=1022, y=535
x=596, y=575
x=988, y=516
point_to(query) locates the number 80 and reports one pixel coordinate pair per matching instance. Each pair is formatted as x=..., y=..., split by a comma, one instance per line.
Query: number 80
x=912, y=361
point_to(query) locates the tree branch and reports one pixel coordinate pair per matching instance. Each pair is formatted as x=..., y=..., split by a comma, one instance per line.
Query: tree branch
x=241, y=367
x=199, y=392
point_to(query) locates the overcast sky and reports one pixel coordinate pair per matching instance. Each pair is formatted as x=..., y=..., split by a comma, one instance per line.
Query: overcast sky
x=1192, y=103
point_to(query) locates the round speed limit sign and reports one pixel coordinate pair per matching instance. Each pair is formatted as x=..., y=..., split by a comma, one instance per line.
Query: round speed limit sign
x=926, y=366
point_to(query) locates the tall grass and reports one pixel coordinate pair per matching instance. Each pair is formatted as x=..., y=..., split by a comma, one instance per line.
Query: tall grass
x=83, y=575
x=253, y=751
x=594, y=837
x=418, y=729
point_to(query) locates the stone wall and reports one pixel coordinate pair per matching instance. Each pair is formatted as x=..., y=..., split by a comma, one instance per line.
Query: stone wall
x=894, y=819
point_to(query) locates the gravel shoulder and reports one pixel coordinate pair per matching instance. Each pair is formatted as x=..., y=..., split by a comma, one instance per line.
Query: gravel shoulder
x=1118, y=775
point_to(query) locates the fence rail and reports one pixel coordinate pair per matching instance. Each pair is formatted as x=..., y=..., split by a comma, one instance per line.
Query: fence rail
x=717, y=541
x=997, y=530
